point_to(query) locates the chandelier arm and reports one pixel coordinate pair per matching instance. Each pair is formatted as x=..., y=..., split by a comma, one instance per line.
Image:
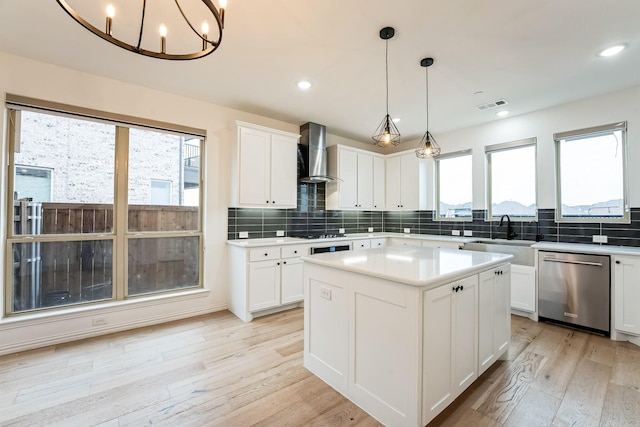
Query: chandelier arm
x=144, y=7
x=215, y=14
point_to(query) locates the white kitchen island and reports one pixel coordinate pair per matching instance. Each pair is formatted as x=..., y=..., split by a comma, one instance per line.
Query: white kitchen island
x=402, y=331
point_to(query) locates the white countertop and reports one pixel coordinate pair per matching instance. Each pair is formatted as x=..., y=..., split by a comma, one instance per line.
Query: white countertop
x=587, y=248
x=277, y=241
x=418, y=266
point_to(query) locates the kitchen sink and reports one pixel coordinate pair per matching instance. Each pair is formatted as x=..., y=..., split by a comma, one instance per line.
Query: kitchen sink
x=523, y=253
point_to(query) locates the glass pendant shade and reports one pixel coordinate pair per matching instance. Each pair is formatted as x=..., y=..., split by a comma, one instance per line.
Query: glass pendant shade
x=387, y=133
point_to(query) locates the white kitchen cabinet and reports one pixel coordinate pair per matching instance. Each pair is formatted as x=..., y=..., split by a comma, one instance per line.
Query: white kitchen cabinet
x=626, y=281
x=359, y=186
x=264, y=168
x=494, y=325
x=379, y=183
x=450, y=344
x=369, y=243
x=406, y=182
x=266, y=279
x=523, y=288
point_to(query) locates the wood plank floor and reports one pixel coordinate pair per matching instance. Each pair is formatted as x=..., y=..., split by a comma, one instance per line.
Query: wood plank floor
x=215, y=370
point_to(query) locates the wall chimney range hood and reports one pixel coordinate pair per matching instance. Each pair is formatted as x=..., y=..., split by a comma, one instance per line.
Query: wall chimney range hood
x=312, y=154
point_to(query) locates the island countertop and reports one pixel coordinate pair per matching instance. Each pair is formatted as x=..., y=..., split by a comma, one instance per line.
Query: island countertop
x=417, y=266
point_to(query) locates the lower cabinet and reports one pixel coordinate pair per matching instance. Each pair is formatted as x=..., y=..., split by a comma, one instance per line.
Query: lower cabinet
x=450, y=344
x=626, y=282
x=523, y=288
x=494, y=319
x=265, y=279
x=369, y=243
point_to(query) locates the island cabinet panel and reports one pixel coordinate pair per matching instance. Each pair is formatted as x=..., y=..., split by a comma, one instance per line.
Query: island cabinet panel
x=326, y=329
x=450, y=345
x=494, y=326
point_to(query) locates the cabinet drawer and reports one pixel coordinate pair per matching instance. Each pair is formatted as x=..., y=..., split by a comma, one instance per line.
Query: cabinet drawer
x=292, y=251
x=262, y=254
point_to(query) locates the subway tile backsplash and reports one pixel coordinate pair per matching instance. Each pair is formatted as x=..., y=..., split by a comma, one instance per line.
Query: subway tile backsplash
x=310, y=218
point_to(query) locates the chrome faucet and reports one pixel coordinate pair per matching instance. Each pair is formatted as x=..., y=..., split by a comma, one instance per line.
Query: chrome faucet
x=510, y=233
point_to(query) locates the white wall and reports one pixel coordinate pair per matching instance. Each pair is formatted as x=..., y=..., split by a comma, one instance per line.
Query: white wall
x=25, y=77
x=609, y=108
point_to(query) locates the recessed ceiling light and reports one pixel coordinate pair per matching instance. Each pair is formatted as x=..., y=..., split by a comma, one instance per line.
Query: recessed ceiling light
x=502, y=113
x=613, y=50
x=395, y=119
x=304, y=84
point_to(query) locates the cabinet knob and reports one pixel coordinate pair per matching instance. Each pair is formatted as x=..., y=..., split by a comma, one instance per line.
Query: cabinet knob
x=266, y=254
x=273, y=201
x=375, y=206
x=295, y=252
x=277, y=263
x=617, y=262
x=267, y=201
x=284, y=262
x=454, y=289
x=461, y=288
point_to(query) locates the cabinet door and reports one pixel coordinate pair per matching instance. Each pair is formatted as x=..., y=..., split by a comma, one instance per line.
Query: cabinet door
x=364, y=186
x=378, y=243
x=264, y=285
x=437, y=350
x=347, y=171
x=465, y=341
x=409, y=182
x=379, y=183
x=523, y=288
x=284, y=171
x=292, y=281
x=627, y=294
x=361, y=244
x=254, y=167
x=393, y=195
x=397, y=241
x=486, y=332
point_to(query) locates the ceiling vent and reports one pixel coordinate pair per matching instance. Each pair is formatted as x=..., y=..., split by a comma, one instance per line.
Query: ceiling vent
x=494, y=104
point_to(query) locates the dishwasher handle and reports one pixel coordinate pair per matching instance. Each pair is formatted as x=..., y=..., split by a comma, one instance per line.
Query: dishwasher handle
x=564, y=261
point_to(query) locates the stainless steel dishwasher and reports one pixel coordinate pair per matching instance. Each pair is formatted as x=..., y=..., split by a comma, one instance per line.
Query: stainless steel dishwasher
x=575, y=289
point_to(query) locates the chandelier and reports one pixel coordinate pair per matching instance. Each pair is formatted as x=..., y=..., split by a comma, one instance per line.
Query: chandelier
x=387, y=132
x=145, y=28
x=428, y=146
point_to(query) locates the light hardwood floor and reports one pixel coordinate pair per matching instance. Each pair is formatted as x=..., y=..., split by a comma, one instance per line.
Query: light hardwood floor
x=216, y=370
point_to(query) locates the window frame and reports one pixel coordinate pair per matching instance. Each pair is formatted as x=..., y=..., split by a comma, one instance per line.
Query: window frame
x=588, y=133
x=436, y=182
x=506, y=146
x=120, y=234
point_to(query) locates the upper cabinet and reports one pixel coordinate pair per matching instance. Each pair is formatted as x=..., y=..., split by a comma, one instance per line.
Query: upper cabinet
x=264, y=167
x=361, y=174
x=406, y=182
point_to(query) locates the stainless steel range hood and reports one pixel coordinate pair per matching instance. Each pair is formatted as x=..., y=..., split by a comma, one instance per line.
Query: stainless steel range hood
x=312, y=154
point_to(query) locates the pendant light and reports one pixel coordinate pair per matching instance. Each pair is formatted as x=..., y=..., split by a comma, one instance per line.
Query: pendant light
x=428, y=146
x=387, y=133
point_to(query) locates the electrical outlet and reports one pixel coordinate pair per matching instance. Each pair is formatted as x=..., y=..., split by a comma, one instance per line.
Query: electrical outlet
x=99, y=321
x=407, y=230
x=370, y=229
x=455, y=232
x=325, y=293
x=279, y=233
x=341, y=231
x=468, y=233
x=243, y=235
x=599, y=238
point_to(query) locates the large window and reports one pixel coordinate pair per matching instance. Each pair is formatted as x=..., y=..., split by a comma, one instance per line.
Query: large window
x=99, y=207
x=591, y=174
x=511, y=180
x=454, y=186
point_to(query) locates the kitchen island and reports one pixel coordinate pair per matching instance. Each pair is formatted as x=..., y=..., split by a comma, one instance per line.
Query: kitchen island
x=402, y=331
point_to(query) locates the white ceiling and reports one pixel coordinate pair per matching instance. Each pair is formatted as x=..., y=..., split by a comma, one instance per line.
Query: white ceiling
x=533, y=53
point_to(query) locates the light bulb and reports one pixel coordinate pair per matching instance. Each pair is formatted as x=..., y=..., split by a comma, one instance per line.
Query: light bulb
x=387, y=137
x=111, y=11
x=223, y=4
x=163, y=30
x=205, y=28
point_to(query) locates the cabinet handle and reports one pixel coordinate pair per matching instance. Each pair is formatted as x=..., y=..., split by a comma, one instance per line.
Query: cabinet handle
x=267, y=202
x=266, y=254
x=295, y=252
x=284, y=262
x=454, y=289
x=278, y=263
x=273, y=201
x=375, y=206
x=461, y=288
x=617, y=262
